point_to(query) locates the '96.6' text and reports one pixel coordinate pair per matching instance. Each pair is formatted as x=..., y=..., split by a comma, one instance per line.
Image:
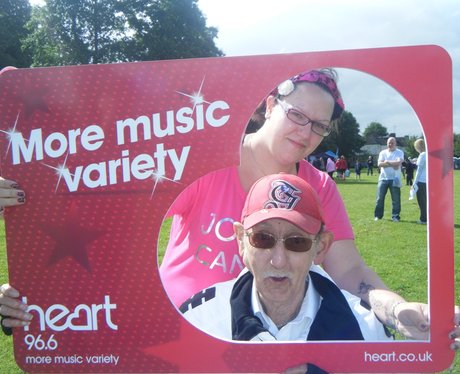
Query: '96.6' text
x=39, y=344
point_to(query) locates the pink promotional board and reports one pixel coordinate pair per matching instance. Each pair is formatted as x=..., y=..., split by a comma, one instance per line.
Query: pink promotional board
x=83, y=249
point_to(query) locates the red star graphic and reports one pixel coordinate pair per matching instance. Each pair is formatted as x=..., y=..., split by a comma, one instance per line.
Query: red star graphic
x=71, y=239
x=193, y=351
x=445, y=154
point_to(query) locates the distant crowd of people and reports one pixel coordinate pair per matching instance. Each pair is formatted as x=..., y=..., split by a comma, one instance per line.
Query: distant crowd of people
x=332, y=165
x=393, y=168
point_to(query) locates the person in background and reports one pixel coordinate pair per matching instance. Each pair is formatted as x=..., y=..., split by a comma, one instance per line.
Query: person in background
x=330, y=167
x=341, y=166
x=409, y=166
x=357, y=170
x=419, y=185
x=370, y=165
x=390, y=161
x=323, y=164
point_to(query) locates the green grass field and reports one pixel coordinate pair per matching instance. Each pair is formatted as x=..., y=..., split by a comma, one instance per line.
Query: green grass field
x=396, y=251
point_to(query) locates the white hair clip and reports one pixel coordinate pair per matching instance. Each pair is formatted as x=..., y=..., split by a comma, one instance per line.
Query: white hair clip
x=286, y=88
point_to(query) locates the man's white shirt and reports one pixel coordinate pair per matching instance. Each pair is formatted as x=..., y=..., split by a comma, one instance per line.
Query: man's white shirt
x=214, y=316
x=387, y=172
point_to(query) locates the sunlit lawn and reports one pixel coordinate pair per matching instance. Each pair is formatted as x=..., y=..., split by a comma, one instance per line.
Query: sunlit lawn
x=397, y=251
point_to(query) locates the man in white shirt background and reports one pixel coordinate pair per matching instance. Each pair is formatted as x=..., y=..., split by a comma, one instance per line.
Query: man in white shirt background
x=390, y=178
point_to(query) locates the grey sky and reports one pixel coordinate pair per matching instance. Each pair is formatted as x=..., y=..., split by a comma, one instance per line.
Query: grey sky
x=253, y=27
x=256, y=27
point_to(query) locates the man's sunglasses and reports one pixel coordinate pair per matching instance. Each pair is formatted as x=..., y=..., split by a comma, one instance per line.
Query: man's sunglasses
x=265, y=240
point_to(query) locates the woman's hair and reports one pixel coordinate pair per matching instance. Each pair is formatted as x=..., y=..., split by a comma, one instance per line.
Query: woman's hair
x=324, y=78
x=419, y=145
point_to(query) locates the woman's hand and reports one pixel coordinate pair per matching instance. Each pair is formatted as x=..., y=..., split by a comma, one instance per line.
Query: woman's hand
x=412, y=320
x=12, y=310
x=10, y=193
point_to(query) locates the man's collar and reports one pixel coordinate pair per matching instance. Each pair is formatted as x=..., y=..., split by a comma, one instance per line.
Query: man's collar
x=306, y=314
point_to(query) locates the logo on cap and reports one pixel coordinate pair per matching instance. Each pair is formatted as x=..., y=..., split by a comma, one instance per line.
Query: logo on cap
x=282, y=195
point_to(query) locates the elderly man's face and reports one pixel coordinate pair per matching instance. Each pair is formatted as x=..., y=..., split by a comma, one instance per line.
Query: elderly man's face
x=391, y=144
x=279, y=274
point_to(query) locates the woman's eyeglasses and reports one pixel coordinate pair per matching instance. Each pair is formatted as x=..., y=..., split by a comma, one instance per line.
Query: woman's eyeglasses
x=265, y=240
x=301, y=119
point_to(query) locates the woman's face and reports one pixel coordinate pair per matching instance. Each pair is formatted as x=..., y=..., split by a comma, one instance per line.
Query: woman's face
x=288, y=141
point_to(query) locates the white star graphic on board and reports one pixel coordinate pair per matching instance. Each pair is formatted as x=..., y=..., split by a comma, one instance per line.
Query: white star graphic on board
x=60, y=170
x=11, y=133
x=158, y=178
x=196, y=98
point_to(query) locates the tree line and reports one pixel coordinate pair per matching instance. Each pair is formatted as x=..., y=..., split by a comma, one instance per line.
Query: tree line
x=73, y=32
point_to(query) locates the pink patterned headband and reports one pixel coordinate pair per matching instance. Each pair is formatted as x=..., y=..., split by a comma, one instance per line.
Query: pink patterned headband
x=316, y=77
